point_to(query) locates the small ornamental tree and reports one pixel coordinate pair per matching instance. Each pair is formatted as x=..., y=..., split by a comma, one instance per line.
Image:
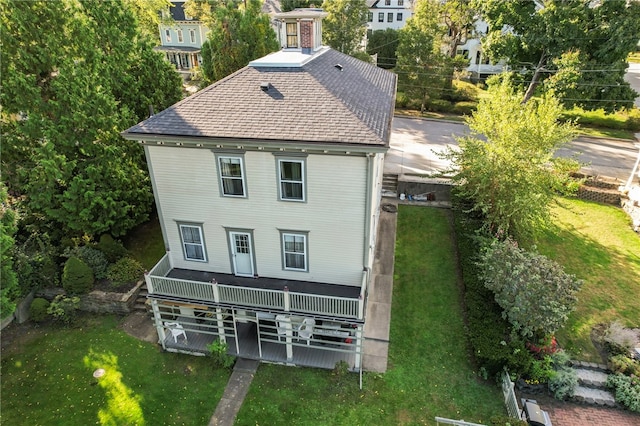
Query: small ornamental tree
x=535, y=293
x=77, y=276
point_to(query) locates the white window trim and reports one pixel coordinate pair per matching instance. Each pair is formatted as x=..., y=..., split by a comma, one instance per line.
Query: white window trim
x=305, y=254
x=222, y=178
x=302, y=181
x=182, y=226
x=192, y=35
x=180, y=36
x=167, y=36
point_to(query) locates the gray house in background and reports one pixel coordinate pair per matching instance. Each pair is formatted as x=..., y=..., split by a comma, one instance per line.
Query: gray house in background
x=268, y=188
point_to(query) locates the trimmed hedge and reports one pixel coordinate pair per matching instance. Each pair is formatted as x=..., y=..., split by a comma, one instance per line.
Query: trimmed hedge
x=77, y=276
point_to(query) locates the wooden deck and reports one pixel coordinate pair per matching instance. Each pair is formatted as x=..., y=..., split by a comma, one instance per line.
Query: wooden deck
x=318, y=354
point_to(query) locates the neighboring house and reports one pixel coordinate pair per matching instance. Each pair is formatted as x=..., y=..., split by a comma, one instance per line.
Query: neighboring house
x=480, y=66
x=385, y=14
x=181, y=38
x=268, y=189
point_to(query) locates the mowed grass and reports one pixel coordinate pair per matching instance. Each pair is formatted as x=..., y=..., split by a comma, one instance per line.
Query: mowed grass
x=430, y=372
x=595, y=242
x=49, y=380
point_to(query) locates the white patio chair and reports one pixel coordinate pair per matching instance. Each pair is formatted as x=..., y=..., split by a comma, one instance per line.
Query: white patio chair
x=305, y=331
x=176, y=330
x=283, y=327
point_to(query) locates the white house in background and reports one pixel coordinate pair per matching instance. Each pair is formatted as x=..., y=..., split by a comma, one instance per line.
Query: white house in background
x=385, y=14
x=268, y=188
x=181, y=38
x=480, y=67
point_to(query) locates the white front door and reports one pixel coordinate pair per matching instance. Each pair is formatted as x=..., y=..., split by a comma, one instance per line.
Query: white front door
x=241, y=253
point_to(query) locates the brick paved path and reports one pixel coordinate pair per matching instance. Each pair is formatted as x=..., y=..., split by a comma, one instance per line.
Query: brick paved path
x=572, y=414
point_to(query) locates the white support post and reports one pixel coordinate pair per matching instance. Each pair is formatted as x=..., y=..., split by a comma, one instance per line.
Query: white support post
x=358, y=347
x=147, y=279
x=287, y=302
x=158, y=321
x=221, y=333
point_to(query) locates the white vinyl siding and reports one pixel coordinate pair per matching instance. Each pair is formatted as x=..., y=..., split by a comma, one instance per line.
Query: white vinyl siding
x=333, y=215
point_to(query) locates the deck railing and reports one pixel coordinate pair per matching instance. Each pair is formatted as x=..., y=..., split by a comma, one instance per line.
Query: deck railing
x=284, y=300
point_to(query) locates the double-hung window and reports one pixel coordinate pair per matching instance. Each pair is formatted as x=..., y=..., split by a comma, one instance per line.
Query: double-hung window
x=291, y=179
x=230, y=170
x=390, y=17
x=380, y=16
x=294, y=251
x=292, y=34
x=167, y=36
x=192, y=36
x=192, y=242
x=180, y=37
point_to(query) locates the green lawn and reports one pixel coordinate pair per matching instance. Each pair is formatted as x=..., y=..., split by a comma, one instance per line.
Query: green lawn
x=49, y=380
x=596, y=243
x=430, y=373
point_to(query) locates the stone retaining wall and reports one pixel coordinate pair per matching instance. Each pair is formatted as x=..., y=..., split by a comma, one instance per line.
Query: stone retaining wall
x=101, y=302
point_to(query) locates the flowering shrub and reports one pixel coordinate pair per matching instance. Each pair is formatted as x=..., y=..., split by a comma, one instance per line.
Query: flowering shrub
x=548, y=347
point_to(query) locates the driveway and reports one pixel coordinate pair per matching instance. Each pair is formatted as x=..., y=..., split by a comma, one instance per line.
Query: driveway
x=415, y=145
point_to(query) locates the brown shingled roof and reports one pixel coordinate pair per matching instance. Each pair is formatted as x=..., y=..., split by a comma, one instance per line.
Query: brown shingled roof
x=317, y=102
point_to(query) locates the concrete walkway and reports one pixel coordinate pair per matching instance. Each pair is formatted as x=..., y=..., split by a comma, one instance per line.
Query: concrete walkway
x=233, y=396
x=378, y=310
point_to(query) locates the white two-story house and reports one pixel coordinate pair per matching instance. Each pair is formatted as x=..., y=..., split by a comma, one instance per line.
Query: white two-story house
x=268, y=188
x=181, y=38
x=385, y=14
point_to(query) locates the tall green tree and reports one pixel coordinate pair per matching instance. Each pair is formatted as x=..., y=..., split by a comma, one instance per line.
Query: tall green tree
x=384, y=43
x=507, y=165
x=237, y=36
x=459, y=17
x=80, y=73
x=8, y=228
x=421, y=63
x=543, y=33
x=345, y=25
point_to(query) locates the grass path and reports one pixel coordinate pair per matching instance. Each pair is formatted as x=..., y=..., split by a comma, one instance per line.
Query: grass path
x=429, y=374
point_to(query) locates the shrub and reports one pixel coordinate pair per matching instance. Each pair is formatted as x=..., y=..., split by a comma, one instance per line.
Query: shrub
x=77, y=276
x=64, y=308
x=38, y=309
x=401, y=100
x=95, y=258
x=111, y=248
x=564, y=381
x=465, y=107
x=626, y=390
x=624, y=364
x=218, y=352
x=439, y=105
x=125, y=271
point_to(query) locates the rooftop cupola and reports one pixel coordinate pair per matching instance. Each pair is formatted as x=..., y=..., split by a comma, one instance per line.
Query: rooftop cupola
x=301, y=29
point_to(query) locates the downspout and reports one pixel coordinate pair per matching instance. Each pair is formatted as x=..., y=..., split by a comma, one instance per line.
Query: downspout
x=367, y=219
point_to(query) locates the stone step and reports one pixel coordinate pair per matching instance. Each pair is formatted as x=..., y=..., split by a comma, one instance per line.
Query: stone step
x=589, y=366
x=594, y=396
x=591, y=378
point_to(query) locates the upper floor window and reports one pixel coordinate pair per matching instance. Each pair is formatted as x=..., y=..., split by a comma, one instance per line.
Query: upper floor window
x=381, y=17
x=187, y=16
x=400, y=2
x=167, y=36
x=390, y=17
x=192, y=36
x=231, y=175
x=370, y=17
x=399, y=17
x=291, y=179
x=180, y=38
x=292, y=34
x=387, y=2
x=192, y=242
x=294, y=251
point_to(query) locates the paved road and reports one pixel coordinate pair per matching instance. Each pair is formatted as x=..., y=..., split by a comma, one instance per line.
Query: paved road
x=415, y=143
x=633, y=77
